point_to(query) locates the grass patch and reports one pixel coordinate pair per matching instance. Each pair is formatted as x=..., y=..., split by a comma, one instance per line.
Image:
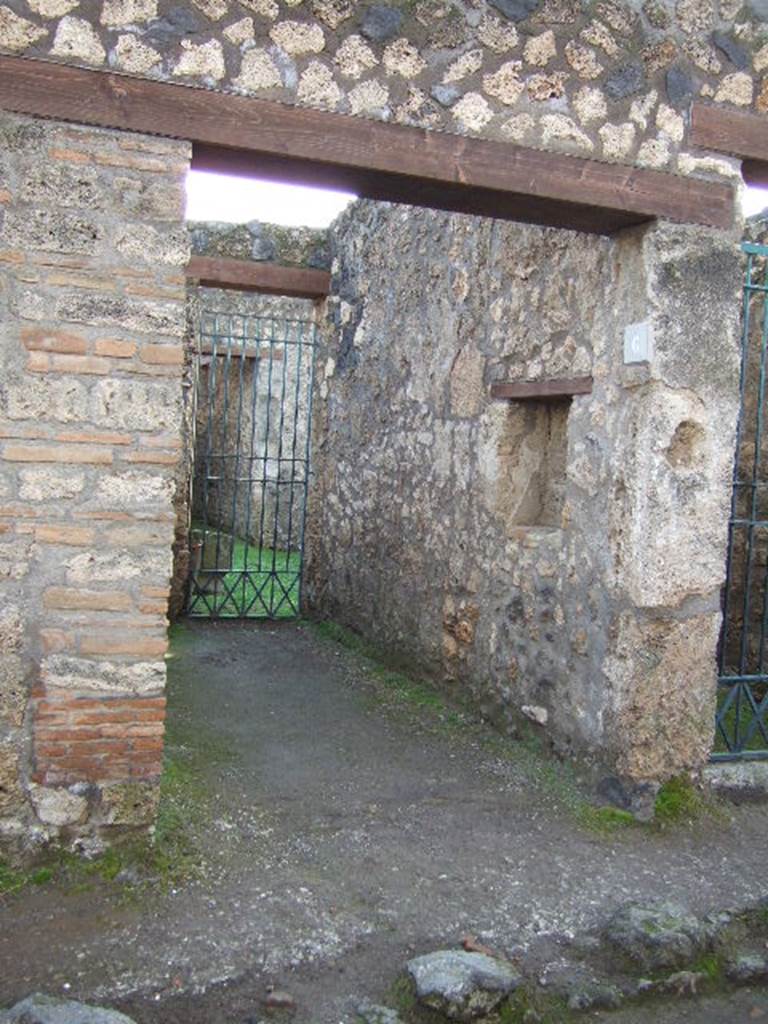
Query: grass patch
x=711, y=965
x=260, y=583
x=739, y=719
x=606, y=820
x=679, y=800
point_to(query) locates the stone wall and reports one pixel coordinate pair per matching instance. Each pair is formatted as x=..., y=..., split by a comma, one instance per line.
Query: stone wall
x=611, y=79
x=92, y=314
x=560, y=560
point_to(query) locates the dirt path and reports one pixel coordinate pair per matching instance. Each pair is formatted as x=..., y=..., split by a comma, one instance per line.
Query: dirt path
x=344, y=835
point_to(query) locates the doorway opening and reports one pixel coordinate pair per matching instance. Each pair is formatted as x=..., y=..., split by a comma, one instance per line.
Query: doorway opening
x=249, y=418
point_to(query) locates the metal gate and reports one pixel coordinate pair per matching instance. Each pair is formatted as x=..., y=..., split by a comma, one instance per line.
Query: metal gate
x=742, y=730
x=253, y=411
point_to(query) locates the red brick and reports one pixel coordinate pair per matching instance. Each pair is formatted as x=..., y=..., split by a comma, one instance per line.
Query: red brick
x=136, y=645
x=74, y=536
x=45, y=340
x=67, y=598
x=57, y=453
x=115, y=348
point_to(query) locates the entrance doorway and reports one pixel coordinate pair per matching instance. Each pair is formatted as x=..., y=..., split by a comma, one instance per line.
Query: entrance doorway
x=253, y=405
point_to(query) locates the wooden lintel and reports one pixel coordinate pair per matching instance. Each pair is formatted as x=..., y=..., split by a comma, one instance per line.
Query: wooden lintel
x=527, y=390
x=270, y=278
x=380, y=161
x=735, y=132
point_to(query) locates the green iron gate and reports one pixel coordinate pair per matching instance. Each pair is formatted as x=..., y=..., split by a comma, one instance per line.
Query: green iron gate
x=253, y=410
x=741, y=728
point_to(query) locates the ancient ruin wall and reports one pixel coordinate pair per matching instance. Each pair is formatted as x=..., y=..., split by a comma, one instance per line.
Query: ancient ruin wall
x=611, y=79
x=557, y=559
x=92, y=308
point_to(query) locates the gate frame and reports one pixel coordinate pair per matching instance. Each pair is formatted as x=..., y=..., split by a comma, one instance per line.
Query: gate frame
x=741, y=683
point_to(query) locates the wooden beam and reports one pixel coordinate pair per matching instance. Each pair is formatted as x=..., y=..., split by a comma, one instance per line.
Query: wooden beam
x=730, y=131
x=381, y=161
x=270, y=278
x=528, y=390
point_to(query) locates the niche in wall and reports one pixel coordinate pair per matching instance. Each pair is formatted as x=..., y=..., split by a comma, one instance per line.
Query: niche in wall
x=533, y=447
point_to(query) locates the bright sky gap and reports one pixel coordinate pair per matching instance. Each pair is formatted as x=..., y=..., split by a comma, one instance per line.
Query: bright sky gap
x=235, y=200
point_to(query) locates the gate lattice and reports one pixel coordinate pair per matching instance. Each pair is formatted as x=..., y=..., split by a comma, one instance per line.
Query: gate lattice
x=253, y=411
x=741, y=727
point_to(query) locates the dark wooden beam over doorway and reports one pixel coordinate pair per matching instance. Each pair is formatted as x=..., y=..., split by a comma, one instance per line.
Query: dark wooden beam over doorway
x=247, y=276
x=381, y=161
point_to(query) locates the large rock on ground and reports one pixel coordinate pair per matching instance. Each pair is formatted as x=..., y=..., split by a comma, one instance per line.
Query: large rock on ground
x=463, y=986
x=657, y=936
x=42, y=1009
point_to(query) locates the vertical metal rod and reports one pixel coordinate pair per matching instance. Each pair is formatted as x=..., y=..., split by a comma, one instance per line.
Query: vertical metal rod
x=294, y=440
x=223, y=466
x=212, y=369
x=310, y=396
x=724, y=648
x=257, y=340
x=236, y=474
x=746, y=608
x=280, y=433
x=267, y=425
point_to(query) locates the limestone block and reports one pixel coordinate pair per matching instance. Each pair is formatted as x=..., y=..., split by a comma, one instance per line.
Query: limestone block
x=134, y=489
x=51, y=230
x=131, y=54
x=402, y=58
x=52, y=8
x=119, y=13
x=18, y=33
x=297, y=38
x=75, y=37
x=130, y=803
x=496, y=35
x=152, y=566
x=142, y=243
x=11, y=793
x=257, y=71
x=541, y=49
x=317, y=87
x=58, y=806
x=472, y=112
x=463, y=66
x=589, y=104
x=14, y=673
x=143, y=678
x=354, y=57
x=369, y=97
x=62, y=185
x=737, y=88
x=204, y=60
x=504, y=84
x=662, y=676
x=669, y=531
x=146, y=316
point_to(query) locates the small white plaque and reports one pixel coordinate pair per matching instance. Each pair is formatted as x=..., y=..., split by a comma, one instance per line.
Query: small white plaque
x=638, y=343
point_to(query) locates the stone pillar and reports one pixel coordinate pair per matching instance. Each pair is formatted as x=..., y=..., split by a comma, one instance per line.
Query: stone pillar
x=672, y=427
x=92, y=320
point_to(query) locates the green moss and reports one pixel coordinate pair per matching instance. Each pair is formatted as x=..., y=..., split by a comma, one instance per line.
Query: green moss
x=712, y=966
x=525, y=1005
x=606, y=820
x=678, y=800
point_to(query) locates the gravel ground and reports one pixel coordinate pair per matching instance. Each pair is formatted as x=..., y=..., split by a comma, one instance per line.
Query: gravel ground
x=346, y=832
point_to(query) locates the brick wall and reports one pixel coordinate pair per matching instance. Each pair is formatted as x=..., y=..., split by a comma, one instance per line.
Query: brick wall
x=92, y=325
